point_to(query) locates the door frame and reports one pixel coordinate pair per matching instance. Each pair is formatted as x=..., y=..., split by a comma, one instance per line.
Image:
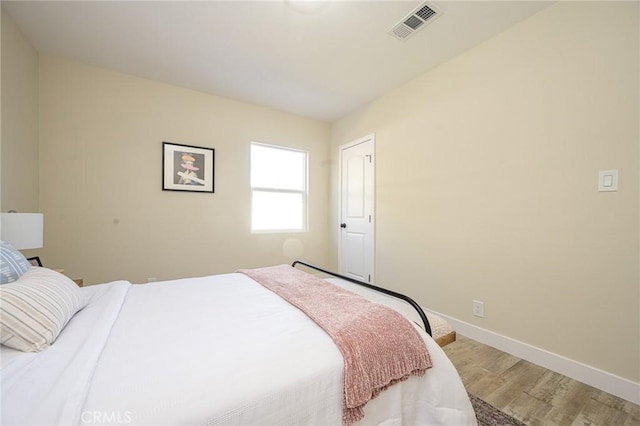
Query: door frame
x=371, y=137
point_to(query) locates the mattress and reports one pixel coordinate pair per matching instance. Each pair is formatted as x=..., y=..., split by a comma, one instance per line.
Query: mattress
x=217, y=350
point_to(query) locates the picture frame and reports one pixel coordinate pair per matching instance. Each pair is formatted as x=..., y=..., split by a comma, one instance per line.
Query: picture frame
x=187, y=168
x=34, y=261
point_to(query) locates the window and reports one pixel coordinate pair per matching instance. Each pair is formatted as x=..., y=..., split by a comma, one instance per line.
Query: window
x=279, y=188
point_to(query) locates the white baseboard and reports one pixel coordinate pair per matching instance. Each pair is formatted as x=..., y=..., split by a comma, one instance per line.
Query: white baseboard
x=610, y=383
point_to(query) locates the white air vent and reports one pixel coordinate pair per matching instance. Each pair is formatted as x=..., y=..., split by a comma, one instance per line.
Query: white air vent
x=414, y=21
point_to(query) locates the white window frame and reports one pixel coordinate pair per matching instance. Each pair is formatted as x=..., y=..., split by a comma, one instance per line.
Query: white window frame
x=304, y=192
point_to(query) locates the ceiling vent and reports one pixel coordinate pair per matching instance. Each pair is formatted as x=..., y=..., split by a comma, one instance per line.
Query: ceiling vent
x=415, y=21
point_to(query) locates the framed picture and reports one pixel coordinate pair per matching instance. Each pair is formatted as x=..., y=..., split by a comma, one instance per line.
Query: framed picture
x=187, y=168
x=34, y=261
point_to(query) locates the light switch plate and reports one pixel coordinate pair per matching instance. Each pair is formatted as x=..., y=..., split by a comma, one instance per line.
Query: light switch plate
x=607, y=180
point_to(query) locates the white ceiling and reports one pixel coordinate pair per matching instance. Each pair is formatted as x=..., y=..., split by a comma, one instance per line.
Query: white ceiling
x=320, y=65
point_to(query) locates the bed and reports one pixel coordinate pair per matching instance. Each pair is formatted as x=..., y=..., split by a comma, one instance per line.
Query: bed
x=435, y=326
x=216, y=350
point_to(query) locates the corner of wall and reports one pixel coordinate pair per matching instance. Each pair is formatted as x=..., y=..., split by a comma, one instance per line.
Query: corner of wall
x=19, y=116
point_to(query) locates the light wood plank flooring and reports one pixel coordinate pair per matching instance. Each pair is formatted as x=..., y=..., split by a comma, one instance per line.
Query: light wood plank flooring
x=533, y=394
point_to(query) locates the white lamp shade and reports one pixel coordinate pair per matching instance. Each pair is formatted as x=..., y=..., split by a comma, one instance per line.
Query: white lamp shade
x=22, y=230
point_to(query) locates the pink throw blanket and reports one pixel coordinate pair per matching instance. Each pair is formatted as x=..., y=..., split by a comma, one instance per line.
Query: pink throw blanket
x=380, y=347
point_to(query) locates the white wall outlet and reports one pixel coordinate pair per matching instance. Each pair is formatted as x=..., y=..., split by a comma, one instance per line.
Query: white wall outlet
x=152, y=280
x=478, y=308
x=608, y=180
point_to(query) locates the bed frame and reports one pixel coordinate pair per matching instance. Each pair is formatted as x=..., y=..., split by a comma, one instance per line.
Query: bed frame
x=423, y=316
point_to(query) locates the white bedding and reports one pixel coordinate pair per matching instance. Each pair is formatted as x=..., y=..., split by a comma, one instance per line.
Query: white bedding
x=212, y=350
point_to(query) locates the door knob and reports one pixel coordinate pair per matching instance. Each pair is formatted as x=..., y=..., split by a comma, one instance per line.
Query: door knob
x=343, y=225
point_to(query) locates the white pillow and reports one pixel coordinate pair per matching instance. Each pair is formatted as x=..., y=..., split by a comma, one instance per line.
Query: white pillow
x=35, y=308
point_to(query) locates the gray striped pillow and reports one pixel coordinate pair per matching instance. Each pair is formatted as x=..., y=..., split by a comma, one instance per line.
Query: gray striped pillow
x=35, y=308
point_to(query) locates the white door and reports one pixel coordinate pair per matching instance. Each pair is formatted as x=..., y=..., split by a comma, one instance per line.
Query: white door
x=357, y=190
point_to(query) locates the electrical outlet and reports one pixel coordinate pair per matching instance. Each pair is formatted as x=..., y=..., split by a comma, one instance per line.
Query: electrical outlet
x=152, y=280
x=478, y=308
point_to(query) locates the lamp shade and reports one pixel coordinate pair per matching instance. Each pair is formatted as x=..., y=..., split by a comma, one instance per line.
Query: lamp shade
x=22, y=230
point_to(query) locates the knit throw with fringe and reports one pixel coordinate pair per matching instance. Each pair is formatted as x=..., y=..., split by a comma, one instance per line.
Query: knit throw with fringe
x=380, y=347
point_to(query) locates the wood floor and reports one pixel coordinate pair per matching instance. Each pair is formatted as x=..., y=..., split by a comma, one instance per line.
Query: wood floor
x=533, y=394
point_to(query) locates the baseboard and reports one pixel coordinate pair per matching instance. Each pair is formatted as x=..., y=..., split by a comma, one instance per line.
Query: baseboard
x=610, y=383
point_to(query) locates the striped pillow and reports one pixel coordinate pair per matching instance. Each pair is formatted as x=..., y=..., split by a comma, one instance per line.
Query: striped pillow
x=12, y=263
x=35, y=309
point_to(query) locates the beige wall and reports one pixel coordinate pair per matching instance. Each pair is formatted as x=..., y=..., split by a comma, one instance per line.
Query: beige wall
x=486, y=179
x=107, y=217
x=19, y=133
x=487, y=184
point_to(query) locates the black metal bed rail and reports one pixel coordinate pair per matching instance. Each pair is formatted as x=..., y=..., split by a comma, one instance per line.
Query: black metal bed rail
x=423, y=316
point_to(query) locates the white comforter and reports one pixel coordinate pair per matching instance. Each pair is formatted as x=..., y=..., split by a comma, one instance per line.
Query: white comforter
x=212, y=350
